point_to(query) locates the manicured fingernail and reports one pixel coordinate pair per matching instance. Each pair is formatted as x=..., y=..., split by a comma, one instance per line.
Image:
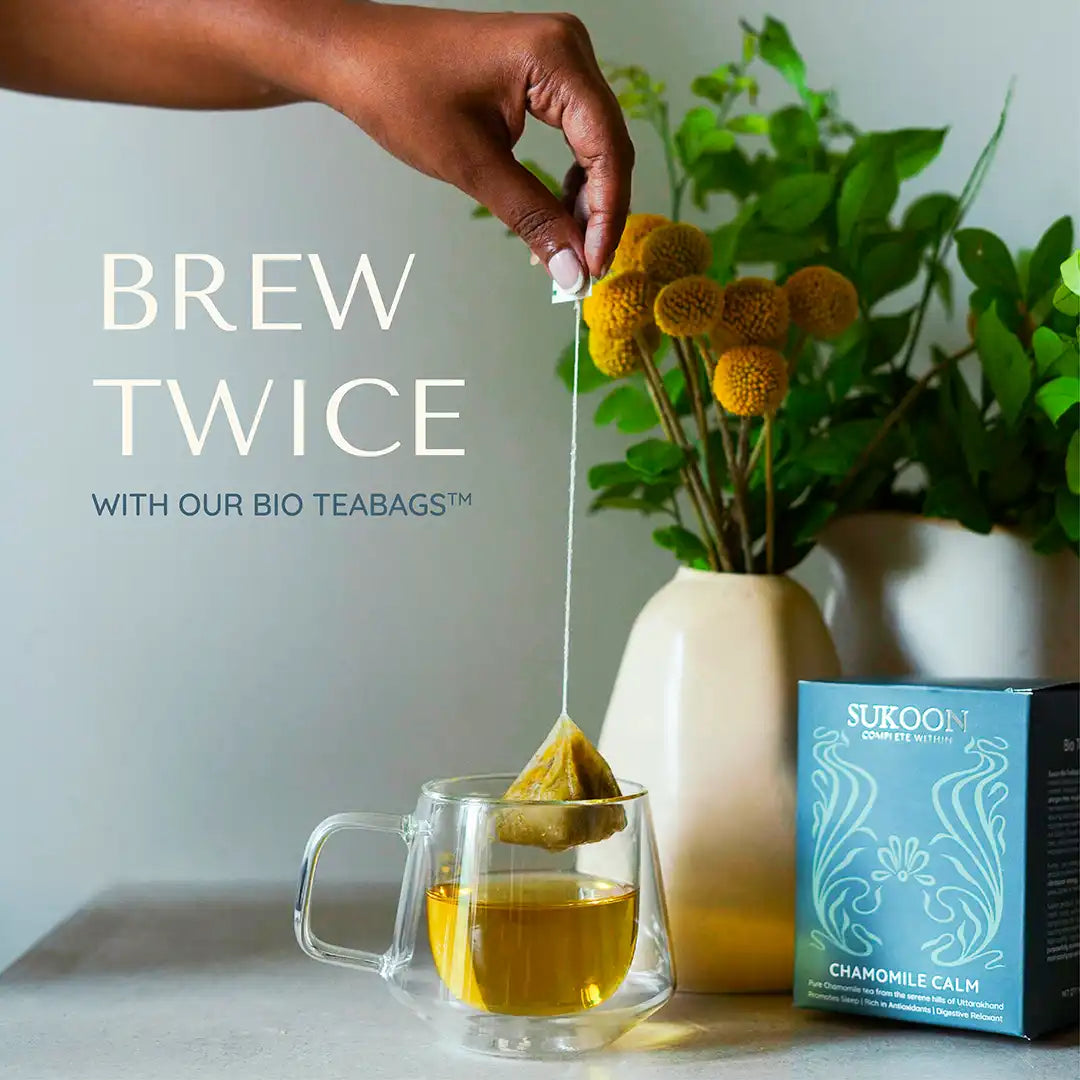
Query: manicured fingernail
x=534, y=259
x=566, y=271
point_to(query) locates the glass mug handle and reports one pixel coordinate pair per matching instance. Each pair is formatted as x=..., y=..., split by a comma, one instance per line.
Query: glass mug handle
x=314, y=946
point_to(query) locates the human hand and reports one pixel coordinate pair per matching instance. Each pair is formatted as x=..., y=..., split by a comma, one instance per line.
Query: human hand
x=448, y=93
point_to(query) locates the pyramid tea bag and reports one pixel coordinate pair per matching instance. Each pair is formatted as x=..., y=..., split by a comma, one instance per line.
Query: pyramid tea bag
x=566, y=768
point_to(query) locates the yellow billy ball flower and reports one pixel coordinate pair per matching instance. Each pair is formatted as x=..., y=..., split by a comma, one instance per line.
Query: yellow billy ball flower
x=751, y=380
x=756, y=311
x=638, y=227
x=674, y=251
x=620, y=305
x=723, y=337
x=689, y=306
x=823, y=302
x=619, y=357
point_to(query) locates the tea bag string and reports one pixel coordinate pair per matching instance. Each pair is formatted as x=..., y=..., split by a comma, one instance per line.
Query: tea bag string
x=570, y=511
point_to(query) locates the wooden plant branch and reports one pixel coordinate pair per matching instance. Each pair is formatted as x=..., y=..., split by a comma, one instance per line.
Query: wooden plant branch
x=896, y=416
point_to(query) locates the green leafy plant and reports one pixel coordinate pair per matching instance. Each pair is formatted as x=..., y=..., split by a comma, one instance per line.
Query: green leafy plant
x=795, y=187
x=1004, y=448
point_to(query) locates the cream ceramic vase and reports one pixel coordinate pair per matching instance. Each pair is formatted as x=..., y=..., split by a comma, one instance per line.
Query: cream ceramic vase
x=920, y=596
x=703, y=713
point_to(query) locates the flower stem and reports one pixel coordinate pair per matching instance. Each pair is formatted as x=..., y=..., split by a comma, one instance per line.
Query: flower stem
x=676, y=184
x=695, y=486
x=738, y=476
x=738, y=486
x=755, y=454
x=743, y=453
x=770, y=498
x=688, y=363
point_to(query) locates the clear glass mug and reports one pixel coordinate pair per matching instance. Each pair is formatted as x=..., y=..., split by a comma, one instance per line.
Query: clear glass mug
x=513, y=949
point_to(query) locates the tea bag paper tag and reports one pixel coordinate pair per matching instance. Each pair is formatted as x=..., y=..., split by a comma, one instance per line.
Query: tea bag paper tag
x=561, y=296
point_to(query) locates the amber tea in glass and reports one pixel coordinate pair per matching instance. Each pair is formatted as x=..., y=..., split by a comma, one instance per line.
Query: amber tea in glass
x=507, y=947
x=535, y=943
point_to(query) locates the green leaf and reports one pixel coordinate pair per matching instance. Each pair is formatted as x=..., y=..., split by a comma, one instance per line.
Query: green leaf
x=987, y=262
x=868, y=193
x=942, y=280
x=890, y=264
x=965, y=418
x=725, y=240
x=806, y=404
x=816, y=515
x=915, y=148
x=684, y=544
x=1051, y=540
x=611, y=473
x=795, y=202
x=931, y=216
x=1066, y=301
x=713, y=86
x=659, y=492
x=749, y=124
x=1048, y=347
x=479, y=212
x=1058, y=396
x=675, y=384
x=763, y=246
x=629, y=408
x=1067, y=509
x=777, y=50
x=728, y=171
x=1051, y=251
x=846, y=368
x=589, y=376
x=887, y=334
x=610, y=409
x=1008, y=308
x=607, y=501
x=955, y=498
x=655, y=458
x=1070, y=273
x=835, y=452
x=1007, y=368
x=698, y=135
x=793, y=132
x=1068, y=363
x=1072, y=464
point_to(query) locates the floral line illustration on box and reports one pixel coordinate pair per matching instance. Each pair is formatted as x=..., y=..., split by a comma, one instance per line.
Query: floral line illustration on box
x=903, y=860
x=838, y=823
x=967, y=803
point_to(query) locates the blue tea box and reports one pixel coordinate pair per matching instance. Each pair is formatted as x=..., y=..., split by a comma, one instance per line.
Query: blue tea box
x=938, y=853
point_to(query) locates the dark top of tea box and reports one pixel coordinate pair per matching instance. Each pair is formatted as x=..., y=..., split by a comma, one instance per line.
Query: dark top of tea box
x=1009, y=686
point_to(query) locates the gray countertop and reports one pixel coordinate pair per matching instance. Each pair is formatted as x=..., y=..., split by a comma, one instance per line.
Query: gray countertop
x=210, y=984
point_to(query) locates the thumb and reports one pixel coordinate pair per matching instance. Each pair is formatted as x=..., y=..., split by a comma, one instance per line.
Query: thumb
x=525, y=206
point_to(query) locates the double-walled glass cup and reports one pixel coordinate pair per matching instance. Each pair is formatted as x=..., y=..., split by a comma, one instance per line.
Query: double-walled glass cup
x=514, y=949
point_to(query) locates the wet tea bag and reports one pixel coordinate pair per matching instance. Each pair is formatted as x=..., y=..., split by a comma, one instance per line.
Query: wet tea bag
x=566, y=768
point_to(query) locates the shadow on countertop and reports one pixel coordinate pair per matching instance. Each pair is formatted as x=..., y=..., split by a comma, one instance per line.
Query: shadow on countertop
x=128, y=931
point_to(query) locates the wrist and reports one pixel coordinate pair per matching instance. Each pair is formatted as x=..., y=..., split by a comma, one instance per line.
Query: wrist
x=293, y=47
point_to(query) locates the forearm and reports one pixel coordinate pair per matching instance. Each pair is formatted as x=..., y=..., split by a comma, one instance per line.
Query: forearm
x=447, y=92
x=189, y=54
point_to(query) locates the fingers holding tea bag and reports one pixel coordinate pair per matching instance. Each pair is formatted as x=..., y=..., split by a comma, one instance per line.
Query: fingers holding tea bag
x=565, y=768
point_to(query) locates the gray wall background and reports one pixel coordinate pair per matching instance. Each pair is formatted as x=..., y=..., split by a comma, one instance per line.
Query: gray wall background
x=183, y=700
